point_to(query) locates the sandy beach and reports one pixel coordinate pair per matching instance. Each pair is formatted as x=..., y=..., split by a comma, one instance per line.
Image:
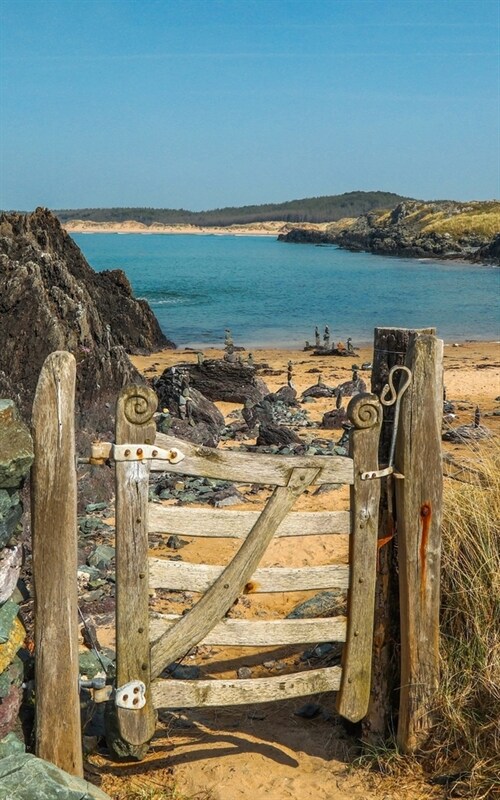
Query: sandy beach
x=131, y=226
x=269, y=750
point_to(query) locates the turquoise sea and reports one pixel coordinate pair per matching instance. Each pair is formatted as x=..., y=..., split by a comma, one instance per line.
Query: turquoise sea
x=272, y=293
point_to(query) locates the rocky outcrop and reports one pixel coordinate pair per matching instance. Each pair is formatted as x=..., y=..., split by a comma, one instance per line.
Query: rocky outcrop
x=25, y=777
x=443, y=230
x=307, y=236
x=51, y=299
x=16, y=457
x=187, y=413
x=489, y=253
x=228, y=382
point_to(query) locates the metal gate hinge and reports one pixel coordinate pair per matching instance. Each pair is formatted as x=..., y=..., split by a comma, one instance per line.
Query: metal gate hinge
x=105, y=451
x=141, y=452
x=380, y=473
x=131, y=695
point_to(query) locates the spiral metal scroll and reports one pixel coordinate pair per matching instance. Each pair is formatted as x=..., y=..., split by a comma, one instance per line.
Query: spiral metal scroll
x=364, y=410
x=140, y=405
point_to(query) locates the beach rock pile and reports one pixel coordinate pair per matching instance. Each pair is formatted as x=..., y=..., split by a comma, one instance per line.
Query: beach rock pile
x=16, y=457
x=317, y=447
x=51, y=299
x=187, y=490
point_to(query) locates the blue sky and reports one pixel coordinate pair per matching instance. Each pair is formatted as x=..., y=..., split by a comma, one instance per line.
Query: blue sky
x=208, y=103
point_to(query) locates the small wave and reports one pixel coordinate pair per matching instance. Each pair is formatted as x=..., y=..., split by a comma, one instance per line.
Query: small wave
x=173, y=299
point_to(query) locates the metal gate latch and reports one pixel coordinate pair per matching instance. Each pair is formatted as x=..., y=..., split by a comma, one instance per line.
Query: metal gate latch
x=131, y=695
x=393, y=398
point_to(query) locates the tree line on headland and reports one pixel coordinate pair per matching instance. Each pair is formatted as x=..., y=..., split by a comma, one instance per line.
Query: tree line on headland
x=313, y=209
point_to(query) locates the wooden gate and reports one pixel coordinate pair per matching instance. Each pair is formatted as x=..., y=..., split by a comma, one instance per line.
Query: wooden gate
x=147, y=644
x=145, y=647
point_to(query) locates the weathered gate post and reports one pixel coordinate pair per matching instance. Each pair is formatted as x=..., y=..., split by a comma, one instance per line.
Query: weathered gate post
x=390, y=348
x=134, y=426
x=419, y=509
x=54, y=528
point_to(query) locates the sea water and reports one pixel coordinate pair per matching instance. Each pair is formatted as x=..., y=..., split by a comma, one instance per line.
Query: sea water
x=271, y=293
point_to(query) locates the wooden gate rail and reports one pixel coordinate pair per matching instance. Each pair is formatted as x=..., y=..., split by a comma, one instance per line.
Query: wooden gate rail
x=224, y=524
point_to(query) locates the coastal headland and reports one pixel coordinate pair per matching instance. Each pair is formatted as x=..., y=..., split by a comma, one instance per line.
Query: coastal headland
x=442, y=229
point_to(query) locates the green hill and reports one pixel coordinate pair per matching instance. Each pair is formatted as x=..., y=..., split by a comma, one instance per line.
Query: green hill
x=309, y=209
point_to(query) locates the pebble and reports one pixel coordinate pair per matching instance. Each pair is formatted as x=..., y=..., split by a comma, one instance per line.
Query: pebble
x=95, y=507
x=184, y=672
x=309, y=711
x=244, y=672
x=176, y=543
x=102, y=556
x=324, y=604
x=319, y=651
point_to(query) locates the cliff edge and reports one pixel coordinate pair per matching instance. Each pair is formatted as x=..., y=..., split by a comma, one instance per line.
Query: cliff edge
x=51, y=299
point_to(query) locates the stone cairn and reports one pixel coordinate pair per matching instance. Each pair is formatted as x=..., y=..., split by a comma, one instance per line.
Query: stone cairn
x=16, y=457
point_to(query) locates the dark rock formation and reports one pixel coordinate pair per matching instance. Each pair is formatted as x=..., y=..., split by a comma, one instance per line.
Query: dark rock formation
x=334, y=420
x=319, y=390
x=405, y=231
x=51, y=299
x=286, y=394
x=270, y=433
x=489, y=253
x=193, y=416
x=226, y=381
x=258, y=414
x=307, y=236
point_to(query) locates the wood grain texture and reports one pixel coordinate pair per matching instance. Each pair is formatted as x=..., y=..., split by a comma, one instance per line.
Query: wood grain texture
x=390, y=346
x=179, y=575
x=252, y=468
x=261, y=633
x=54, y=532
x=419, y=512
x=134, y=425
x=354, y=695
x=188, y=694
x=218, y=599
x=238, y=524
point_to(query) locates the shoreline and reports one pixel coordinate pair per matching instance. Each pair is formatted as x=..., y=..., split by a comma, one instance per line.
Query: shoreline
x=132, y=227
x=472, y=369
x=257, y=230
x=360, y=344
